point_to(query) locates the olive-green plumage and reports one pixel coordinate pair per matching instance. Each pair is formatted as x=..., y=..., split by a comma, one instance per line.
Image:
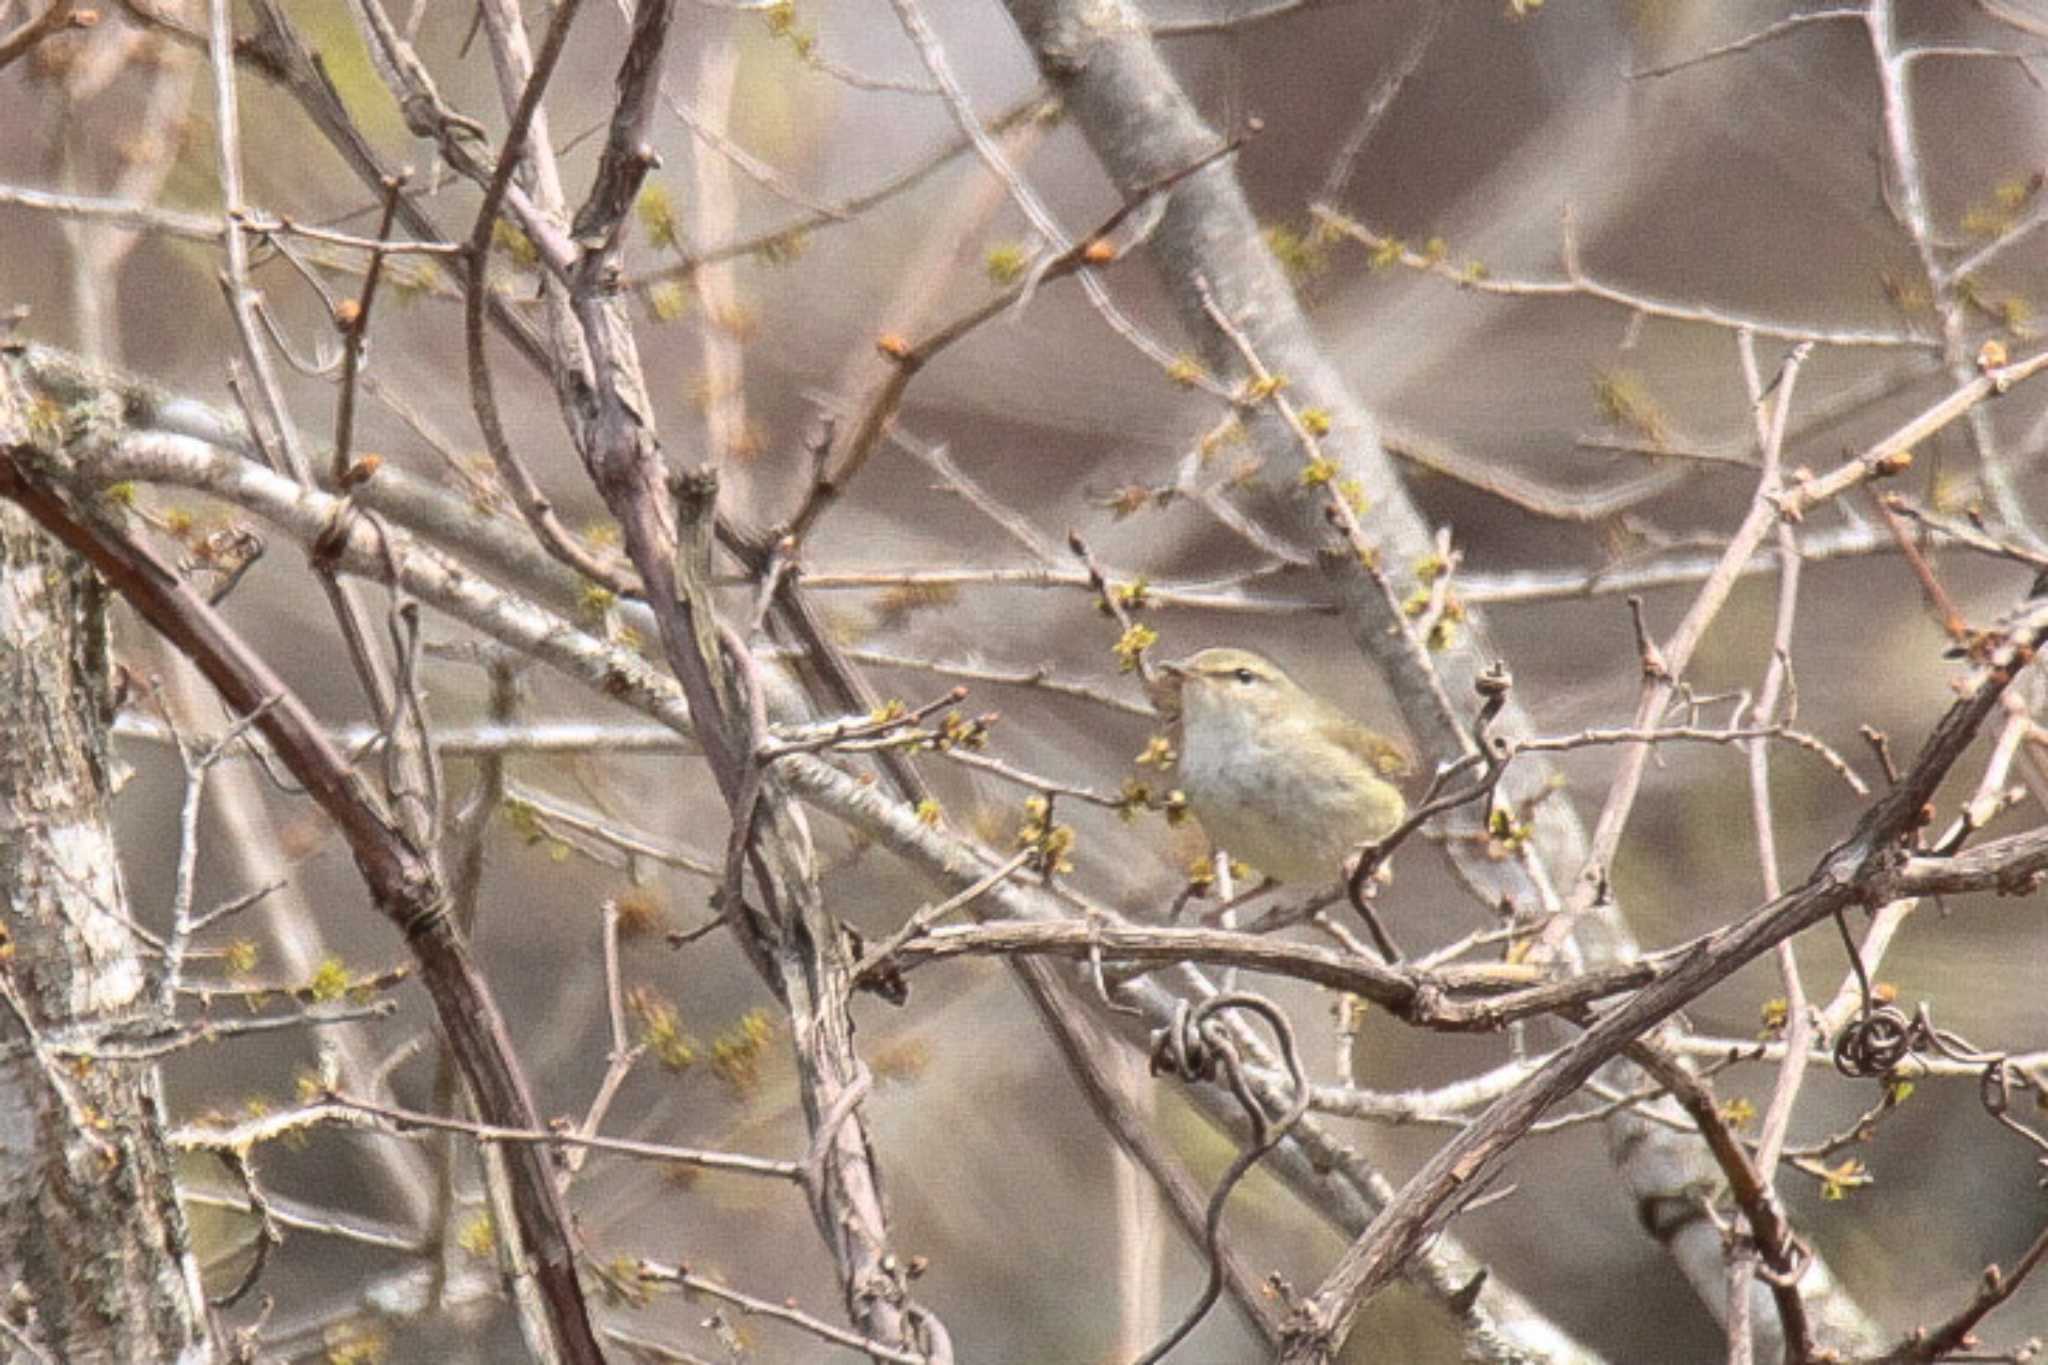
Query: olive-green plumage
x=1275, y=774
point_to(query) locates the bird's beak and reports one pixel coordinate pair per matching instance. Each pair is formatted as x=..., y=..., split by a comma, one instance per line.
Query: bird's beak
x=1178, y=670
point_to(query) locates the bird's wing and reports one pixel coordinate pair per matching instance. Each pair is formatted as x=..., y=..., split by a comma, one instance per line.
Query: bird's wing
x=1388, y=757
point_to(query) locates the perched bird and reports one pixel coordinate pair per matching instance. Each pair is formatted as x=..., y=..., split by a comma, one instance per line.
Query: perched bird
x=1276, y=775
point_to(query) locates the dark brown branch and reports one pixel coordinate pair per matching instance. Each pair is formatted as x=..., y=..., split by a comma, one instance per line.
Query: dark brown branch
x=1424, y=998
x=1925, y=1346
x=1856, y=871
x=403, y=883
x=1783, y=1253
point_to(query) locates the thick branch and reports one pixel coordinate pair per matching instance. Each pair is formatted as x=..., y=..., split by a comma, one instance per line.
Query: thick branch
x=402, y=880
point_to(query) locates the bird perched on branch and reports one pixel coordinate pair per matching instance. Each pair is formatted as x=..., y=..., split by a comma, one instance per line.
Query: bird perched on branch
x=1276, y=775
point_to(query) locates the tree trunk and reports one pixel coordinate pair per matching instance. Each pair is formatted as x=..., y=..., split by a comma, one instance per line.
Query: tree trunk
x=92, y=1240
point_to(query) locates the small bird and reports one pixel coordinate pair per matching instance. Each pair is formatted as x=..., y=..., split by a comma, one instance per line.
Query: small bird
x=1276, y=775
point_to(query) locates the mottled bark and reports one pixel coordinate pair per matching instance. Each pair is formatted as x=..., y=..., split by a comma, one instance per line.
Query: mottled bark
x=91, y=1235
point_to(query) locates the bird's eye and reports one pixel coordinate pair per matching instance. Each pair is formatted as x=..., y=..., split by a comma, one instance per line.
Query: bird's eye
x=1245, y=675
